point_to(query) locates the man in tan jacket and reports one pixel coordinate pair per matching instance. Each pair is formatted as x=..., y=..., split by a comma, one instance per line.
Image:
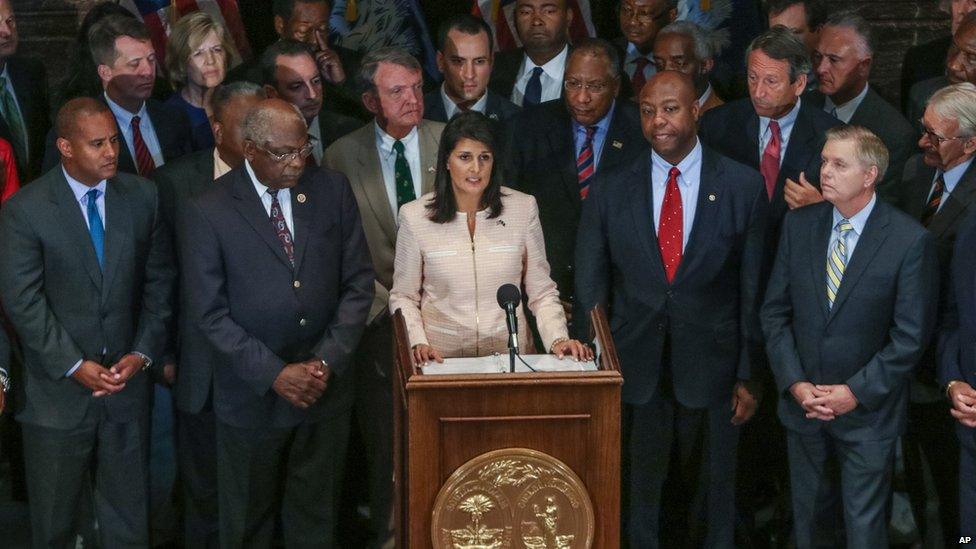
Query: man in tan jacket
x=389, y=162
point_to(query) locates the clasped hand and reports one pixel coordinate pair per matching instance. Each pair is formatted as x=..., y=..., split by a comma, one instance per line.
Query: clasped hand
x=963, y=399
x=107, y=381
x=302, y=383
x=823, y=402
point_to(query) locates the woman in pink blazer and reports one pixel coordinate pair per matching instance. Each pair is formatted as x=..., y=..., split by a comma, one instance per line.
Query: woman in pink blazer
x=457, y=245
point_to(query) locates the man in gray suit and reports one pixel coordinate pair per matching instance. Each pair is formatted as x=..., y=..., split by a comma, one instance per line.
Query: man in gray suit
x=388, y=162
x=91, y=302
x=849, y=309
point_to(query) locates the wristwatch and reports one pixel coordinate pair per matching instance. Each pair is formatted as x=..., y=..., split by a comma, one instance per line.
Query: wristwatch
x=146, y=361
x=4, y=381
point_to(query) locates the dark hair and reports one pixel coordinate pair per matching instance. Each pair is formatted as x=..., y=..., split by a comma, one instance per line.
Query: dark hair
x=781, y=44
x=284, y=8
x=102, y=36
x=66, y=122
x=225, y=93
x=442, y=208
x=816, y=10
x=464, y=23
x=600, y=48
x=286, y=47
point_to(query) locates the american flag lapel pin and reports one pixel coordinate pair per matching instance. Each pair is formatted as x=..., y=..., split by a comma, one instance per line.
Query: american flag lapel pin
x=617, y=144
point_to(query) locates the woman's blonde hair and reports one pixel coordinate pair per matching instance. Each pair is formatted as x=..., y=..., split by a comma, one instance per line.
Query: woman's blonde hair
x=187, y=35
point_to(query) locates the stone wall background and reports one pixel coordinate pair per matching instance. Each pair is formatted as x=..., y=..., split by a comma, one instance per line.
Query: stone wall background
x=47, y=29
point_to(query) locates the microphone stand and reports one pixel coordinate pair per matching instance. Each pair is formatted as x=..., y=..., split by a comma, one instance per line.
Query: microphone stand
x=512, y=337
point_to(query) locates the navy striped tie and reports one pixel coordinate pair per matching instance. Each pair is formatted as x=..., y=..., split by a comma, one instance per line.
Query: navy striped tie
x=586, y=164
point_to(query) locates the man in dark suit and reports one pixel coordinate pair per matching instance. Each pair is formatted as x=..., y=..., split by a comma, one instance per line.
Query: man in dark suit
x=91, y=303
x=152, y=133
x=24, y=104
x=672, y=242
x=939, y=190
x=640, y=21
x=684, y=46
x=957, y=66
x=558, y=147
x=189, y=365
x=533, y=74
x=842, y=61
x=465, y=59
x=277, y=276
x=927, y=61
x=288, y=71
x=849, y=309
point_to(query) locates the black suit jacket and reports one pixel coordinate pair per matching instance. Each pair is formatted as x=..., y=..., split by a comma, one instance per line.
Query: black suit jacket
x=877, y=115
x=543, y=160
x=922, y=62
x=172, y=128
x=957, y=354
x=497, y=107
x=872, y=337
x=29, y=80
x=65, y=307
x=258, y=312
x=708, y=312
x=505, y=70
x=178, y=182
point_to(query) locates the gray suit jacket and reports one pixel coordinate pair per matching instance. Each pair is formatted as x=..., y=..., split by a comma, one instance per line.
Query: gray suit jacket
x=872, y=337
x=356, y=156
x=65, y=308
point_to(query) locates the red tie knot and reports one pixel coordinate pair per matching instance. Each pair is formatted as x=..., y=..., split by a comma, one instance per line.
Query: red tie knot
x=674, y=172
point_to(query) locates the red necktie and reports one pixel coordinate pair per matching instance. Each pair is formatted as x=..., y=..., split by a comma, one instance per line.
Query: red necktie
x=144, y=160
x=585, y=165
x=769, y=166
x=670, y=229
x=638, y=80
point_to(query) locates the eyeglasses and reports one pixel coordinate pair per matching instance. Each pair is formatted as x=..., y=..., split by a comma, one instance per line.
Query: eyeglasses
x=303, y=153
x=644, y=16
x=936, y=138
x=596, y=88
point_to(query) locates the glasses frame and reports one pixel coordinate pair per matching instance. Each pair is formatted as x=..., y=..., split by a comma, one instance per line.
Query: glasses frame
x=304, y=153
x=938, y=139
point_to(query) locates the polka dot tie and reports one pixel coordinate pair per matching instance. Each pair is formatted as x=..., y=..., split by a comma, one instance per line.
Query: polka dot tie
x=670, y=229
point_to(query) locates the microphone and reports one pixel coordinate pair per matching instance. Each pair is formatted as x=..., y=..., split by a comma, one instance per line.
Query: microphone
x=509, y=297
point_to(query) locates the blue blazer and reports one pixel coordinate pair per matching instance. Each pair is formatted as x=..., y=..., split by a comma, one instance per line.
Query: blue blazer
x=709, y=312
x=957, y=341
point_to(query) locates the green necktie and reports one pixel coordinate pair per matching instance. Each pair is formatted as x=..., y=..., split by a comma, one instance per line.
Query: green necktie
x=404, y=181
x=18, y=137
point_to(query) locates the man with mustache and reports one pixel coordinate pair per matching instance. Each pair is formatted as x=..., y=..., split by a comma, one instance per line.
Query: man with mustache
x=640, y=22
x=279, y=281
x=152, y=132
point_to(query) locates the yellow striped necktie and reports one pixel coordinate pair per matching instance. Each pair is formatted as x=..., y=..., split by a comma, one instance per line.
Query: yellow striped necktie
x=837, y=261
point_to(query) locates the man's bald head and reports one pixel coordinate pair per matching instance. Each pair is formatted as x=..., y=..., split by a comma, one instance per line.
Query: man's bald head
x=680, y=85
x=669, y=114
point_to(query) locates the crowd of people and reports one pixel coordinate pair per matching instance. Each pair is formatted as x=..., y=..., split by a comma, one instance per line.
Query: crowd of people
x=787, y=274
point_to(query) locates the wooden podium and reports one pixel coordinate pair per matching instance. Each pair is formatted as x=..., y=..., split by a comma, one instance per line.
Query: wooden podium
x=443, y=421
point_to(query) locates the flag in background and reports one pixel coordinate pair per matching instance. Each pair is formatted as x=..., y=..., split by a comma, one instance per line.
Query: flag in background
x=500, y=15
x=159, y=16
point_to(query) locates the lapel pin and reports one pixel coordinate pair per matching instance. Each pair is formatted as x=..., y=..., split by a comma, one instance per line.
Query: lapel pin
x=501, y=222
x=711, y=198
x=301, y=198
x=617, y=144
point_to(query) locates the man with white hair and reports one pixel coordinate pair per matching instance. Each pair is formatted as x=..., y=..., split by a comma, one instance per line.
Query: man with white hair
x=843, y=342
x=939, y=189
x=842, y=61
x=684, y=46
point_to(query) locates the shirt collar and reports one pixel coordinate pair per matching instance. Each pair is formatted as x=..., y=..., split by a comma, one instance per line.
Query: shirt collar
x=554, y=68
x=688, y=165
x=846, y=111
x=785, y=122
x=259, y=187
x=705, y=96
x=954, y=175
x=123, y=116
x=220, y=167
x=633, y=54
x=602, y=125
x=80, y=189
x=859, y=219
x=386, y=141
x=451, y=108
x=314, y=129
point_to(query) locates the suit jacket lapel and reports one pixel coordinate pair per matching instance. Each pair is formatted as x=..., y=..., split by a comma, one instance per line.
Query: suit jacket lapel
x=956, y=203
x=76, y=228
x=867, y=246
x=707, y=207
x=371, y=177
x=429, y=140
x=819, y=241
x=118, y=228
x=641, y=208
x=301, y=213
x=918, y=190
x=562, y=148
x=614, y=144
x=249, y=205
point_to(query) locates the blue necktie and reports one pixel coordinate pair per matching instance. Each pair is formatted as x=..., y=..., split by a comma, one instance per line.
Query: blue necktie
x=533, y=90
x=95, y=227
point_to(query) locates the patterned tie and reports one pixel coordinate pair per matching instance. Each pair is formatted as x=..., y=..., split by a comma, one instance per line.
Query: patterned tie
x=638, y=80
x=404, y=180
x=670, y=231
x=533, y=90
x=18, y=133
x=586, y=164
x=838, y=261
x=95, y=227
x=932, y=207
x=769, y=166
x=281, y=227
x=144, y=160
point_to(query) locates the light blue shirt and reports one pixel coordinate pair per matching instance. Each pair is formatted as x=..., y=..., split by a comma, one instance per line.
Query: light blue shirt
x=80, y=190
x=124, y=119
x=858, y=221
x=845, y=112
x=599, y=137
x=10, y=90
x=785, y=131
x=951, y=178
x=284, y=200
x=411, y=150
x=630, y=63
x=688, y=183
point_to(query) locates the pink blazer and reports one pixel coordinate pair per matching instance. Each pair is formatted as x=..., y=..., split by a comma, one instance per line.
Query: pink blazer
x=444, y=281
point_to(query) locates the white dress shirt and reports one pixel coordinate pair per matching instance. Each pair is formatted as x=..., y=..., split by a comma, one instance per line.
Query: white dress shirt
x=785, y=131
x=844, y=112
x=451, y=108
x=858, y=221
x=124, y=119
x=551, y=79
x=411, y=150
x=220, y=167
x=284, y=200
x=688, y=184
x=315, y=131
x=706, y=95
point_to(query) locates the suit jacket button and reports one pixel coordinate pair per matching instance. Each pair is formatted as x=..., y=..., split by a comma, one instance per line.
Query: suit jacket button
x=660, y=327
x=569, y=268
x=301, y=322
x=297, y=284
x=670, y=293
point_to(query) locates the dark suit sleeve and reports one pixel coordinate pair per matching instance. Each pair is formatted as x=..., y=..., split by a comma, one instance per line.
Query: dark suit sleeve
x=592, y=263
x=750, y=276
x=4, y=351
x=52, y=157
x=949, y=367
x=159, y=284
x=341, y=337
x=205, y=284
x=22, y=290
x=914, y=318
x=777, y=317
